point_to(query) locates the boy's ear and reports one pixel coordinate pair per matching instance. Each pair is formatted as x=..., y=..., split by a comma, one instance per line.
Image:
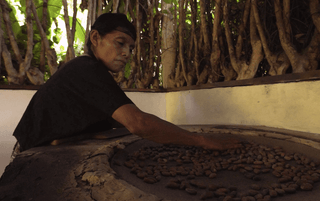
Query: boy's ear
x=94, y=37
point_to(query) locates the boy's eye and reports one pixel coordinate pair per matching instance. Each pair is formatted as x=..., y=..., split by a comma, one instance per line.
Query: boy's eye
x=120, y=43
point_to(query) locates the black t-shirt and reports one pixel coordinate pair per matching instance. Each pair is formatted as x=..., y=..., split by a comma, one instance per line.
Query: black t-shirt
x=79, y=98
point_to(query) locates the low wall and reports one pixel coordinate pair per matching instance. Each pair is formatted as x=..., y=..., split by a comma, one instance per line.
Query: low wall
x=12, y=105
x=292, y=106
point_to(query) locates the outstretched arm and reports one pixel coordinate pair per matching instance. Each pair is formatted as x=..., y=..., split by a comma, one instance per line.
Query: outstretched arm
x=155, y=129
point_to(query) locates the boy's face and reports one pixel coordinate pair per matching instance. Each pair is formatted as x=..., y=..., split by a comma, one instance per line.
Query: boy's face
x=114, y=50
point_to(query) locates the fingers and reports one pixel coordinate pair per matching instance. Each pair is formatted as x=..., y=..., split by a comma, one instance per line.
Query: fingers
x=55, y=142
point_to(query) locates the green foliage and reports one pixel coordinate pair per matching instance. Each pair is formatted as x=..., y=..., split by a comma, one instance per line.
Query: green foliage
x=22, y=34
x=22, y=8
x=4, y=81
x=79, y=38
x=165, y=12
x=108, y=7
x=127, y=70
x=62, y=54
x=121, y=7
x=78, y=48
x=47, y=73
x=54, y=8
x=171, y=1
x=36, y=52
x=57, y=37
x=80, y=31
x=36, y=36
x=14, y=21
x=53, y=11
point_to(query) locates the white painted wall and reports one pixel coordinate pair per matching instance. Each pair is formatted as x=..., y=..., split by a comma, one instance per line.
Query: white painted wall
x=292, y=106
x=153, y=103
x=12, y=105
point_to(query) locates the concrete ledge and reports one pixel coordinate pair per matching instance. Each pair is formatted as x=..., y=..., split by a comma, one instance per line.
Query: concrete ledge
x=286, y=78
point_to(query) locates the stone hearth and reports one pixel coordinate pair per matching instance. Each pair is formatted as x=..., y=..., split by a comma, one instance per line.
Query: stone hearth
x=83, y=171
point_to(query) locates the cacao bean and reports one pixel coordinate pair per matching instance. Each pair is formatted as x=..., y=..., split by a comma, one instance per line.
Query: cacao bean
x=191, y=191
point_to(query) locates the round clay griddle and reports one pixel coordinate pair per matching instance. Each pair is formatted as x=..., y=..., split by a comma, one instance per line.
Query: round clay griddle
x=224, y=178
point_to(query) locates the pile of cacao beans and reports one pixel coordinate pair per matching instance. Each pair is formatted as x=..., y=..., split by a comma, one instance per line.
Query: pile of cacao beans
x=186, y=165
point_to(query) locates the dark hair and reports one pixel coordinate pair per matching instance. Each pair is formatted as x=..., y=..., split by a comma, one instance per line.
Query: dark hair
x=109, y=22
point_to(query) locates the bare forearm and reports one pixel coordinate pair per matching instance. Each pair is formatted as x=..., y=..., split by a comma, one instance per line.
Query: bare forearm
x=160, y=131
x=155, y=129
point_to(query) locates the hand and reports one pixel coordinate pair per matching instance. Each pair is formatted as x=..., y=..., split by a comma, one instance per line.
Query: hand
x=208, y=142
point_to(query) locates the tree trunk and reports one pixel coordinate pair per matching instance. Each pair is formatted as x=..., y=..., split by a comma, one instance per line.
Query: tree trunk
x=138, y=47
x=25, y=65
x=191, y=76
x=315, y=13
x=215, y=50
x=286, y=19
x=88, y=27
x=279, y=63
x=74, y=20
x=169, y=46
x=242, y=27
x=157, y=19
x=202, y=72
x=249, y=71
x=13, y=42
x=70, y=50
x=204, y=29
x=99, y=8
x=179, y=77
x=244, y=70
x=44, y=26
x=14, y=76
x=313, y=49
x=127, y=83
x=94, y=12
x=298, y=61
x=51, y=53
x=148, y=73
x=115, y=6
x=188, y=76
x=138, y=40
x=126, y=8
x=195, y=47
x=181, y=32
x=234, y=61
x=34, y=74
